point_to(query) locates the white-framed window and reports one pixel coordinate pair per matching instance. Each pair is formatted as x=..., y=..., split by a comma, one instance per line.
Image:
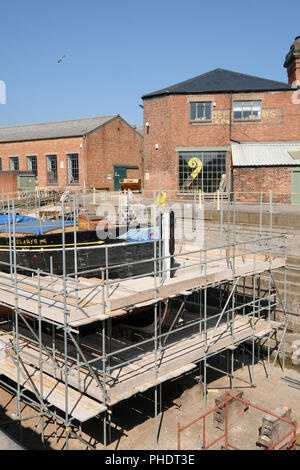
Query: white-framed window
x=14, y=163
x=73, y=168
x=246, y=110
x=51, y=169
x=32, y=163
x=200, y=111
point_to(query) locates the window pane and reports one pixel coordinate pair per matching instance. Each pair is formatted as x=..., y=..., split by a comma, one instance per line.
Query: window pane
x=32, y=164
x=192, y=111
x=73, y=169
x=200, y=110
x=51, y=169
x=247, y=109
x=14, y=163
x=201, y=170
x=208, y=111
x=237, y=115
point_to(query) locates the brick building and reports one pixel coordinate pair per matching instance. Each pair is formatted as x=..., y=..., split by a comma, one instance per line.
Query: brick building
x=195, y=133
x=91, y=152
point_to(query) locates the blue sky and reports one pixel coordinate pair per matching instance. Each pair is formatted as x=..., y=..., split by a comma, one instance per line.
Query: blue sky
x=119, y=50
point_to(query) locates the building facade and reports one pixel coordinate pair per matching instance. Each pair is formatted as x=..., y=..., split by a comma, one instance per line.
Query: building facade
x=190, y=127
x=93, y=152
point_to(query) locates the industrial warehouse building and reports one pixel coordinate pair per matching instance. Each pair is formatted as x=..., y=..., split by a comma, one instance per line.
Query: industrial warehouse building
x=200, y=134
x=92, y=152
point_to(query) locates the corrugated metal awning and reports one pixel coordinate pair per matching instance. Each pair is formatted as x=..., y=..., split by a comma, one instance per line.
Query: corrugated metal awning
x=266, y=154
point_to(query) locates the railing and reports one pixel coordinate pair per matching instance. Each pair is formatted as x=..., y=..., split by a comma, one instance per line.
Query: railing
x=290, y=435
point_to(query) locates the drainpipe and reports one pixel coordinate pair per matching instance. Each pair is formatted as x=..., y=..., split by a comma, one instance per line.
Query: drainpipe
x=84, y=165
x=230, y=129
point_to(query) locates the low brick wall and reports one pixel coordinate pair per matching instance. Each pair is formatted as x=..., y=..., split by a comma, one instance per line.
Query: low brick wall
x=248, y=182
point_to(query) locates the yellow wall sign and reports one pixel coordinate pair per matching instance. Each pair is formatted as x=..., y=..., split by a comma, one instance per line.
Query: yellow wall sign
x=197, y=164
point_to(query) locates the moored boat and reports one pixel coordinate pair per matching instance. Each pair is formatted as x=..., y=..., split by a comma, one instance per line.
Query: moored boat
x=38, y=244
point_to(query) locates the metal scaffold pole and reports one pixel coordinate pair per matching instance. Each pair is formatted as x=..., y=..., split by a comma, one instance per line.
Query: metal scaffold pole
x=50, y=309
x=67, y=424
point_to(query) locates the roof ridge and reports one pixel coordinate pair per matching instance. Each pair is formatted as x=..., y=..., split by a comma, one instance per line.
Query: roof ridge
x=58, y=122
x=183, y=82
x=253, y=76
x=218, y=76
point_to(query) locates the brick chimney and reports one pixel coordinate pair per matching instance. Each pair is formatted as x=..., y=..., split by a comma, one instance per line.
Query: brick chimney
x=292, y=61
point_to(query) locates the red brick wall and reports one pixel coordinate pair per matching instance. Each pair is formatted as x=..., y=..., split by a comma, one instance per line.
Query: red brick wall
x=114, y=144
x=262, y=179
x=8, y=183
x=40, y=148
x=169, y=127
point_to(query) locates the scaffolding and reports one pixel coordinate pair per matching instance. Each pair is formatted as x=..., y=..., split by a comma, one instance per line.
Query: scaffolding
x=205, y=309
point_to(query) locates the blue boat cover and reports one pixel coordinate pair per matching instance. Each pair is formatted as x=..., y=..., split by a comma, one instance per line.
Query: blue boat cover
x=141, y=235
x=4, y=218
x=33, y=226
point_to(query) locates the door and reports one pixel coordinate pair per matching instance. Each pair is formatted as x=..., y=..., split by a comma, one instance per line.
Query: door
x=120, y=172
x=26, y=183
x=296, y=187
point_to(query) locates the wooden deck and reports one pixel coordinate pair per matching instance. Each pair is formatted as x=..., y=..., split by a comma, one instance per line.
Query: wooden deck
x=136, y=369
x=122, y=294
x=52, y=390
x=185, y=349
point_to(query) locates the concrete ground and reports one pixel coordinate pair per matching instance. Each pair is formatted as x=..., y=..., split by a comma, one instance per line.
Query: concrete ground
x=133, y=422
x=7, y=443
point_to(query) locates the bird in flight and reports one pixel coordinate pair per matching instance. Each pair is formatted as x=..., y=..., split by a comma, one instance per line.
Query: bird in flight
x=61, y=59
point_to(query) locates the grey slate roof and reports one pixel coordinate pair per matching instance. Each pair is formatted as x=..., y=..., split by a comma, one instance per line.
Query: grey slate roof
x=139, y=129
x=53, y=130
x=220, y=80
x=266, y=154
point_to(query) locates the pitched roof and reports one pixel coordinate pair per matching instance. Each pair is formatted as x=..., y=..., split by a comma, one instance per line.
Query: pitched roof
x=52, y=130
x=266, y=154
x=220, y=80
x=139, y=129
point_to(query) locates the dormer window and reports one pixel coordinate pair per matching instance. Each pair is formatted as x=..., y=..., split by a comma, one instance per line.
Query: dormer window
x=200, y=111
x=246, y=110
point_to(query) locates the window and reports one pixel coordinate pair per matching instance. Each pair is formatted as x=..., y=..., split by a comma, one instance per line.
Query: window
x=73, y=168
x=0, y=163
x=32, y=164
x=14, y=163
x=200, y=111
x=202, y=170
x=247, y=110
x=51, y=169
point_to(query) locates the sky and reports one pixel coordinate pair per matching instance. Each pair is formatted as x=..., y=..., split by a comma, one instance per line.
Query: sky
x=116, y=51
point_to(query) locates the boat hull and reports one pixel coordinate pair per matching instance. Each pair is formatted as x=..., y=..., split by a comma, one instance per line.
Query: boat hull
x=90, y=253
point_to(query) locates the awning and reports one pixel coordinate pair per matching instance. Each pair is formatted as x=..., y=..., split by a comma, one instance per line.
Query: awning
x=266, y=154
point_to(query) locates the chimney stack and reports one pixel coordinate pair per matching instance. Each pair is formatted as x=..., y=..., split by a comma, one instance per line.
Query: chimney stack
x=292, y=61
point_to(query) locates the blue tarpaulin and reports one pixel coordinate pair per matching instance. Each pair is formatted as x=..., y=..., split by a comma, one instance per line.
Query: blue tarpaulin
x=141, y=235
x=31, y=225
x=4, y=218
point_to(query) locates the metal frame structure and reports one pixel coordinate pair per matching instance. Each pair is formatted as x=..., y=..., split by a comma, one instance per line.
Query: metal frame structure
x=291, y=434
x=43, y=347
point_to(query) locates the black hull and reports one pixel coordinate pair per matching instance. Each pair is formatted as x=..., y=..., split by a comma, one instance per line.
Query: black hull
x=42, y=252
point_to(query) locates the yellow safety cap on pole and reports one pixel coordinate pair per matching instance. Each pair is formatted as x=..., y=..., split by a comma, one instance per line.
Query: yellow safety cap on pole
x=161, y=198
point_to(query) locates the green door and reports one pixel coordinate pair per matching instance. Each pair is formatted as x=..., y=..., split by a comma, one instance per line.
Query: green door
x=120, y=172
x=26, y=183
x=296, y=186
